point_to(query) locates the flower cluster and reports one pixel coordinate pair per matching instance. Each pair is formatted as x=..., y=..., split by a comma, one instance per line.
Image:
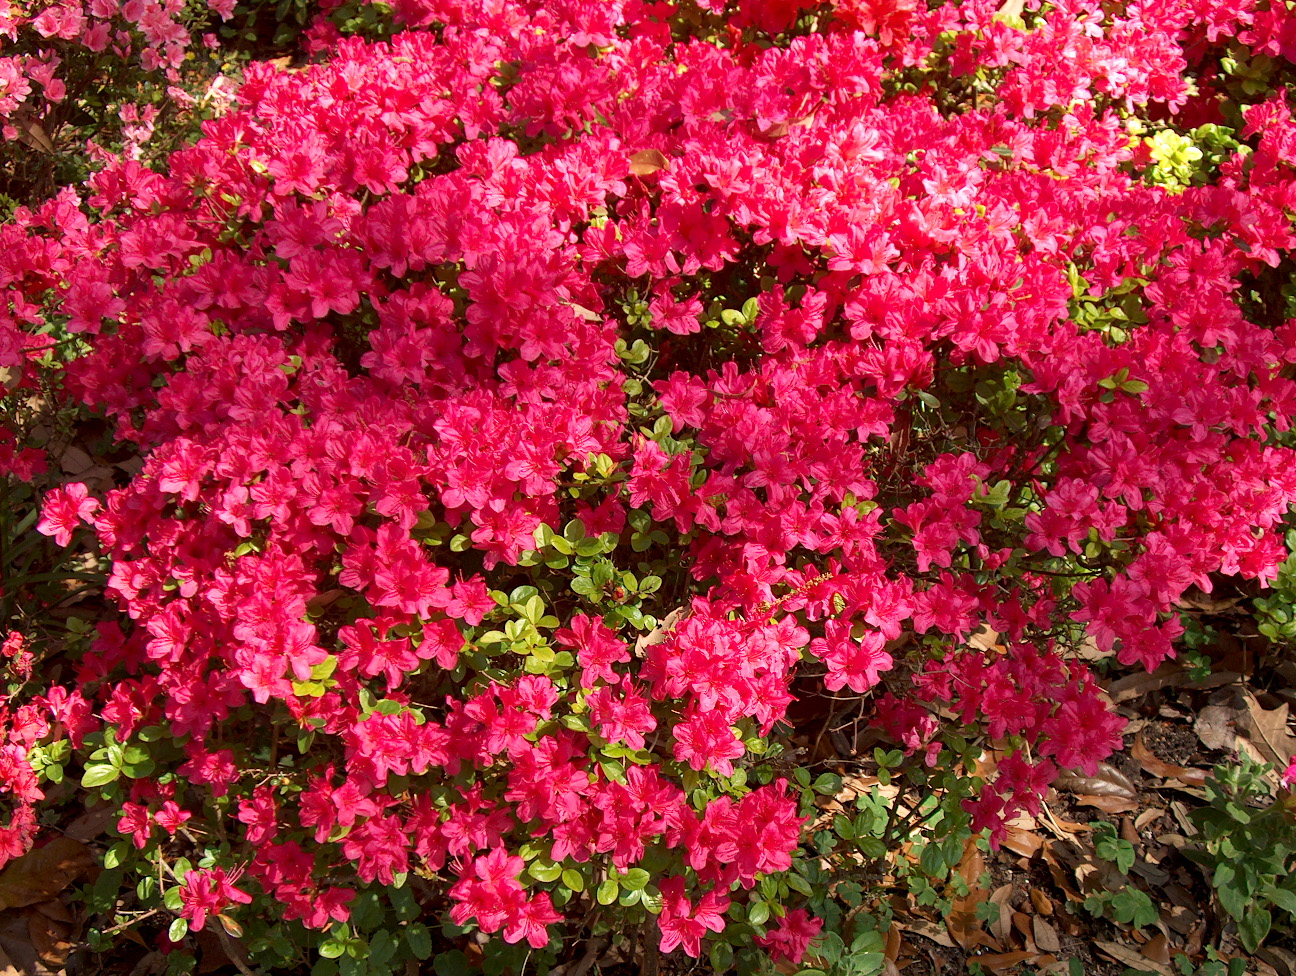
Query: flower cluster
x=457, y=361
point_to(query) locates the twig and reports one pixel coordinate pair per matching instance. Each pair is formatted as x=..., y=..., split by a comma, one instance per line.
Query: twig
x=651, y=956
x=127, y=924
x=231, y=952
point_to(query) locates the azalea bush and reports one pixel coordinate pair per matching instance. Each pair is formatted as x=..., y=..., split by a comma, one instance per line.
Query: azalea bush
x=534, y=405
x=86, y=82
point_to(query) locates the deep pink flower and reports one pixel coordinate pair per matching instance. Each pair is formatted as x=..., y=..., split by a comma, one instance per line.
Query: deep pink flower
x=792, y=936
x=64, y=510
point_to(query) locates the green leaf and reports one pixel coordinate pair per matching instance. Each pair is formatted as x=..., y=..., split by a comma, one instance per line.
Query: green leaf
x=1284, y=899
x=544, y=870
x=381, y=949
x=366, y=912
x=608, y=891
x=573, y=879
x=134, y=755
x=721, y=957
x=758, y=913
x=651, y=898
x=1253, y=927
x=178, y=930
x=932, y=861
x=171, y=899
x=798, y=883
x=636, y=879
x=115, y=855
x=1234, y=901
x=629, y=898
x=99, y=775
x=873, y=847
x=843, y=828
x=419, y=940
x=452, y=963
x=829, y=784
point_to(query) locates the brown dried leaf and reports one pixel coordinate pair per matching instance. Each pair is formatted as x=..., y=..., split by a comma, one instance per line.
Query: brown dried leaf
x=1157, y=767
x=1001, y=927
x=91, y=824
x=894, y=943
x=647, y=161
x=1061, y=877
x=55, y=911
x=1283, y=960
x=658, y=634
x=1027, y=843
x=1157, y=949
x=1041, y=902
x=74, y=460
x=1169, y=675
x=1128, y=957
x=1180, y=811
x=1148, y=817
x=1128, y=832
x=322, y=601
x=1108, y=781
x=962, y=922
x=31, y=133
x=927, y=929
x=1214, y=727
x=1046, y=937
x=986, y=639
x=215, y=951
x=1195, y=599
x=1056, y=968
x=51, y=940
x=1022, y=923
x=1001, y=961
x=16, y=941
x=1268, y=731
x=152, y=964
x=1061, y=828
x=42, y=873
x=984, y=765
x=1107, y=804
x=588, y=314
x=1152, y=873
